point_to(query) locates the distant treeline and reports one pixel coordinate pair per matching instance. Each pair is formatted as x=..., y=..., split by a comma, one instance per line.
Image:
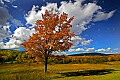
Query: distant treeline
x=14, y=56
x=84, y=59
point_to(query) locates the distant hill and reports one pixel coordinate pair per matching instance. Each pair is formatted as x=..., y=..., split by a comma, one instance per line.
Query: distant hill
x=89, y=54
x=10, y=50
x=6, y=52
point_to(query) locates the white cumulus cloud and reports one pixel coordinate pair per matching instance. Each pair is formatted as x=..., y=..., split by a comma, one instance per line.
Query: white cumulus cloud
x=14, y=6
x=4, y=16
x=71, y=50
x=90, y=50
x=76, y=50
x=83, y=15
x=34, y=15
x=107, y=50
x=16, y=23
x=4, y=32
x=77, y=40
x=103, y=16
x=103, y=50
x=1, y=45
x=9, y=1
x=86, y=42
x=23, y=33
x=79, y=50
x=20, y=34
x=117, y=49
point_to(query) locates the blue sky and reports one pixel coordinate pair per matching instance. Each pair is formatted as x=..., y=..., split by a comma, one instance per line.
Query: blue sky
x=96, y=23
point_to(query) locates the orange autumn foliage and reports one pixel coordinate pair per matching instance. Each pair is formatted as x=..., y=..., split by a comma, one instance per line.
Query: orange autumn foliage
x=52, y=34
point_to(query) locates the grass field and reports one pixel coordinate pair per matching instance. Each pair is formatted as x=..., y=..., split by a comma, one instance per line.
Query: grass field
x=105, y=71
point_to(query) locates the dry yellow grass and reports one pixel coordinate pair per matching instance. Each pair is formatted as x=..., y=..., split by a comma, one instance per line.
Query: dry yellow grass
x=106, y=71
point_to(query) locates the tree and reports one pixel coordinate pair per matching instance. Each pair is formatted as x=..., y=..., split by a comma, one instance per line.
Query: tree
x=52, y=34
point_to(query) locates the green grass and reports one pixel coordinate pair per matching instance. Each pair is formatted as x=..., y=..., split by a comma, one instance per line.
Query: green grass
x=105, y=71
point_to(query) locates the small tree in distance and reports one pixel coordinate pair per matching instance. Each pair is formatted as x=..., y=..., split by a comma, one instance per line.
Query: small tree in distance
x=52, y=34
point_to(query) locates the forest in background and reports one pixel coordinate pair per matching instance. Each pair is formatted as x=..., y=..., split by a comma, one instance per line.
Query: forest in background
x=14, y=56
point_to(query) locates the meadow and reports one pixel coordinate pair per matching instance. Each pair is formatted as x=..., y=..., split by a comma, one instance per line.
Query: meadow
x=15, y=65
x=85, y=71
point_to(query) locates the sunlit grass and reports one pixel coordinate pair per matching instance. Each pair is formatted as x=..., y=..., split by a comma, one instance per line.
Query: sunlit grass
x=36, y=71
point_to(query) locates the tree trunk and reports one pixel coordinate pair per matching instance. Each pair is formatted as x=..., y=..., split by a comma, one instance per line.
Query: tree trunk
x=28, y=63
x=45, y=64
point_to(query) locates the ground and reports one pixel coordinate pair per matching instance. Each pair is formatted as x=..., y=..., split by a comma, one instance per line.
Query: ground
x=104, y=71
